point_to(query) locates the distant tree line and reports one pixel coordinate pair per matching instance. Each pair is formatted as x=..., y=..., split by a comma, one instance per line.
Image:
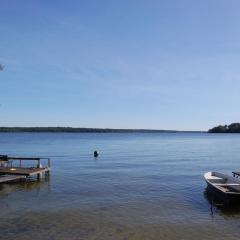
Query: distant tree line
x=83, y=130
x=75, y=130
x=232, y=128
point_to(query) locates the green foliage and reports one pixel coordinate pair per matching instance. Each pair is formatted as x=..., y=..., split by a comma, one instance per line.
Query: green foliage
x=232, y=128
x=74, y=130
x=80, y=130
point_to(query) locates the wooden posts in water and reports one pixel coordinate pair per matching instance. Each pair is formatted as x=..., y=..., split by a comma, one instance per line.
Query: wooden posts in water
x=3, y=160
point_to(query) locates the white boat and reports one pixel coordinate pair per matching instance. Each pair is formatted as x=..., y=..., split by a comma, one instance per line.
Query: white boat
x=227, y=186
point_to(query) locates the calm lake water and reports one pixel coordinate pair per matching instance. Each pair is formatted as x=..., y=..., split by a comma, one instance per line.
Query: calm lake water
x=143, y=186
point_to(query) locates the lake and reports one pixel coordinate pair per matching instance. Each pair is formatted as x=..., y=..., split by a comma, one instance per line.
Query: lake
x=142, y=186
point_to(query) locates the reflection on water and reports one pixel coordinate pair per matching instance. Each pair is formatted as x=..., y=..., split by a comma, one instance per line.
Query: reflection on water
x=224, y=206
x=34, y=183
x=143, y=186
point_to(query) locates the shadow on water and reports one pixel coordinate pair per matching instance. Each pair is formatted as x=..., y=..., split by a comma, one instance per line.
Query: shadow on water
x=225, y=206
x=28, y=184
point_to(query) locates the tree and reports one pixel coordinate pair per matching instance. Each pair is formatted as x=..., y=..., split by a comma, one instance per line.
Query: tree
x=232, y=128
x=219, y=129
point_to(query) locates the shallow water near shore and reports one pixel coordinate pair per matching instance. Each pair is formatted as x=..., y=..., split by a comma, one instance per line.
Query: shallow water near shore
x=142, y=186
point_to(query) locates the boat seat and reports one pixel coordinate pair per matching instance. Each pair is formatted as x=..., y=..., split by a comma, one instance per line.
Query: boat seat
x=235, y=187
x=230, y=187
x=227, y=184
x=217, y=180
x=223, y=188
x=214, y=177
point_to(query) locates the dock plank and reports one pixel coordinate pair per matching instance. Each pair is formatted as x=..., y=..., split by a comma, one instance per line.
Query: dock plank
x=10, y=178
x=23, y=171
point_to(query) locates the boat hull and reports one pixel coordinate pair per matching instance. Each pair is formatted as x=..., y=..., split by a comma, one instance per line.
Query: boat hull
x=226, y=196
x=221, y=194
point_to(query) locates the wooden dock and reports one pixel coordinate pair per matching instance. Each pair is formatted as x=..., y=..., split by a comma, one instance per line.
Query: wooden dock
x=23, y=171
x=10, y=178
x=13, y=168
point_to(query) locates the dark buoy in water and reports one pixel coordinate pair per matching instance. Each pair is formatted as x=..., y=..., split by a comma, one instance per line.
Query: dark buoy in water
x=96, y=154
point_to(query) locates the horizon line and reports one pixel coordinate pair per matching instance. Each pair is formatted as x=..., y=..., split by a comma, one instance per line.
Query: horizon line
x=95, y=128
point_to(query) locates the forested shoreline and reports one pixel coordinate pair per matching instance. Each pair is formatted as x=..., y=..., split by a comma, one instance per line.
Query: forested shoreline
x=83, y=130
x=232, y=128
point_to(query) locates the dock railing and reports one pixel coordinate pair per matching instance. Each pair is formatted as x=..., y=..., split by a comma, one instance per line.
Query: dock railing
x=10, y=161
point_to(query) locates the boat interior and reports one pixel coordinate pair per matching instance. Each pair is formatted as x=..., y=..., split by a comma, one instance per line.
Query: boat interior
x=224, y=183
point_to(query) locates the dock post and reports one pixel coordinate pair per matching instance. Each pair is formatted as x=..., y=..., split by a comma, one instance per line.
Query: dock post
x=47, y=173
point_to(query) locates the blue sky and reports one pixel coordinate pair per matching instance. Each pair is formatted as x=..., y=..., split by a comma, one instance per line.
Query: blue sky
x=120, y=64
